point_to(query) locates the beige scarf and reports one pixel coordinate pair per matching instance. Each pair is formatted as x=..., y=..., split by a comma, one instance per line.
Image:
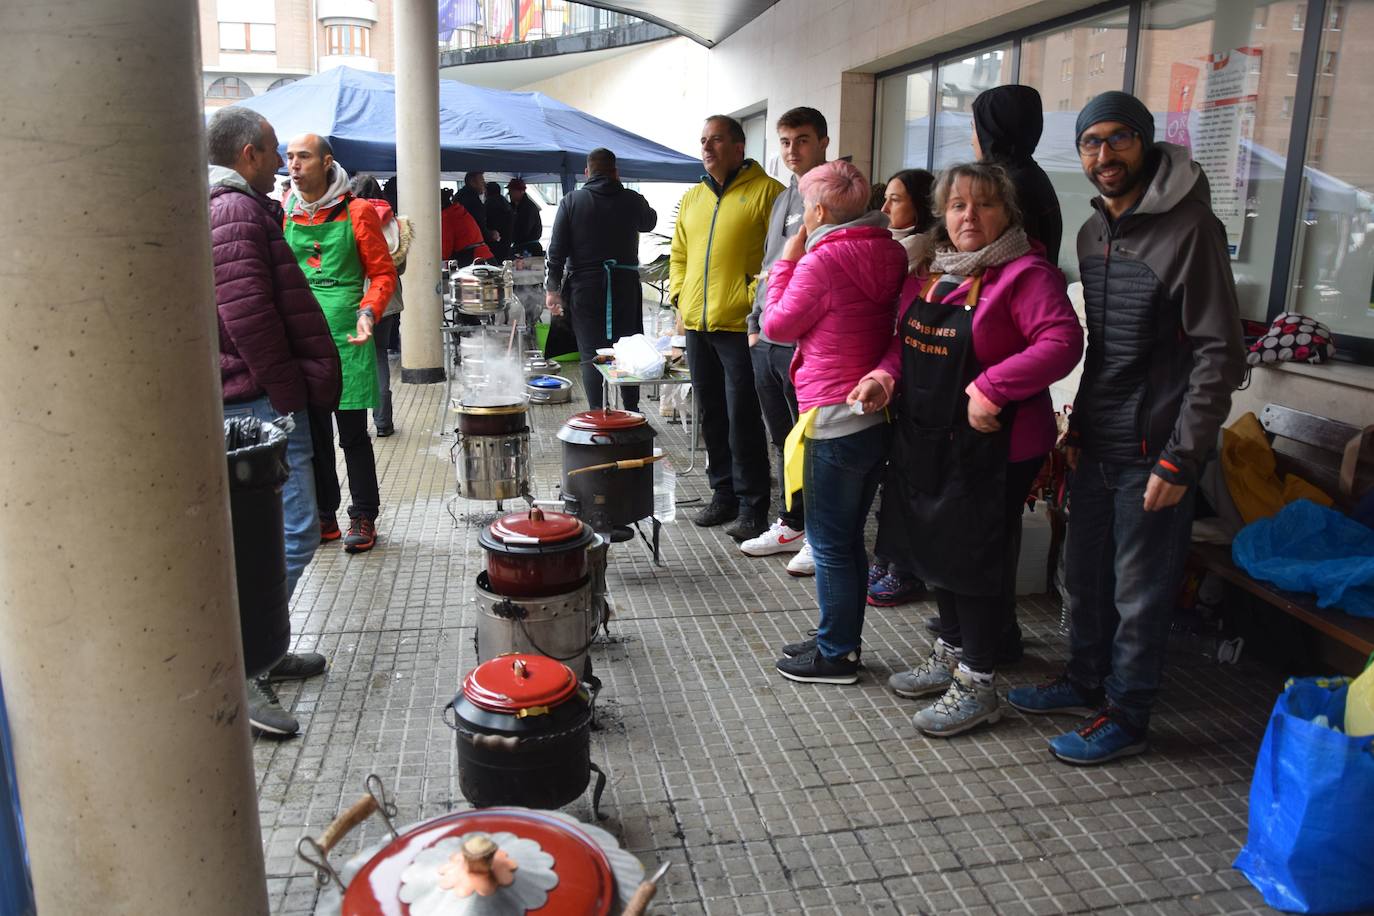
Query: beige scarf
x=1009, y=246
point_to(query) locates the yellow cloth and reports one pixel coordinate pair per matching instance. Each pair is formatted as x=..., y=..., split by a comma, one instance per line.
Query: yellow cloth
x=794, y=454
x=1247, y=461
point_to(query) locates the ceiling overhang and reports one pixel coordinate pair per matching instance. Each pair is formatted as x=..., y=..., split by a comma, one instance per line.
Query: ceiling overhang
x=707, y=22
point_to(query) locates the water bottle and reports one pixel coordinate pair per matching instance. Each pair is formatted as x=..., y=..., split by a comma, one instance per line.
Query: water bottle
x=665, y=489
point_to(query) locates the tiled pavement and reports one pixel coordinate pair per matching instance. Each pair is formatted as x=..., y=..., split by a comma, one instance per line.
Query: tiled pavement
x=769, y=796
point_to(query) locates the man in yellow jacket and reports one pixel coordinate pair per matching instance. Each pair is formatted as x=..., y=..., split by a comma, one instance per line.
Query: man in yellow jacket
x=717, y=250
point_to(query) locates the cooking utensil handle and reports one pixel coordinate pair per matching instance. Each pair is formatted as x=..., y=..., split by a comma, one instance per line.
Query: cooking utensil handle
x=639, y=903
x=338, y=828
x=518, y=539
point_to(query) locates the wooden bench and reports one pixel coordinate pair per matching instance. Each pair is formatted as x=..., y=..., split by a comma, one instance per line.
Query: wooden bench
x=1311, y=447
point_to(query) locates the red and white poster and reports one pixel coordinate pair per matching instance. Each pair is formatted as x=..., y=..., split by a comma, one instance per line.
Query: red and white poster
x=1212, y=106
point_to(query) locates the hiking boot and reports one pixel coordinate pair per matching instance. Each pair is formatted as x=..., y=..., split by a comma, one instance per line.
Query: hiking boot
x=876, y=571
x=1105, y=736
x=362, y=535
x=265, y=712
x=793, y=649
x=929, y=677
x=779, y=538
x=966, y=704
x=718, y=512
x=812, y=667
x=294, y=667
x=329, y=528
x=894, y=589
x=1010, y=648
x=803, y=564
x=1057, y=696
x=751, y=523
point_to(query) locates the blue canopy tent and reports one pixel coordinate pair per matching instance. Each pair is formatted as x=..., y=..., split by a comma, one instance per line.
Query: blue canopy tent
x=520, y=133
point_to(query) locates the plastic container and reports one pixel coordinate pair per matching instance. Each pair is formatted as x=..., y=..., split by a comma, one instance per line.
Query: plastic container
x=665, y=489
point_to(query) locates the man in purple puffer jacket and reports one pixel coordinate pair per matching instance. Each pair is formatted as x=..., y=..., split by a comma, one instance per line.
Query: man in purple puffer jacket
x=276, y=355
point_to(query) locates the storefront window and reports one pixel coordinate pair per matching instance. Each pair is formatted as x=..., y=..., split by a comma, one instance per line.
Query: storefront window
x=1091, y=51
x=1223, y=88
x=904, y=117
x=1334, y=267
x=960, y=82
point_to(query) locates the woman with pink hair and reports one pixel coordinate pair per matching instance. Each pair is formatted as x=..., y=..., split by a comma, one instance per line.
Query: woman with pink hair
x=834, y=292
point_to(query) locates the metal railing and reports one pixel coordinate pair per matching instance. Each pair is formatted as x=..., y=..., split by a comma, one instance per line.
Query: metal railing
x=465, y=24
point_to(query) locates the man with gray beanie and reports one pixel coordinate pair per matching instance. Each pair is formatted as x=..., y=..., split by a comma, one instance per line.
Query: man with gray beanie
x=1164, y=355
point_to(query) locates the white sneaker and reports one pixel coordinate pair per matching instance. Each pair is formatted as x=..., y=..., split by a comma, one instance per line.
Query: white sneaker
x=803, y=564
x=777, y=539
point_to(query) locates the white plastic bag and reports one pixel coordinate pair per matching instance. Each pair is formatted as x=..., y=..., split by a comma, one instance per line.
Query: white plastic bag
x=636, y=355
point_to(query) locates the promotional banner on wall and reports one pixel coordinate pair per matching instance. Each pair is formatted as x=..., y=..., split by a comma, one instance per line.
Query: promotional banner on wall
x=1212, y=104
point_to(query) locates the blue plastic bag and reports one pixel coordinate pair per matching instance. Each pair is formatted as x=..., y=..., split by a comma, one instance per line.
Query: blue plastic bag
x=1310, y=548
x=1309, y=848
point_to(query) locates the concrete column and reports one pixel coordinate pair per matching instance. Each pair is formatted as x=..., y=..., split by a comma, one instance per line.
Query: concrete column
x=119, y=640
x=417, y=167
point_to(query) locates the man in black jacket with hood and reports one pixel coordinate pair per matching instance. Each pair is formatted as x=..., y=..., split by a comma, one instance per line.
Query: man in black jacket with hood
x=1007, y=123
x=594, y=255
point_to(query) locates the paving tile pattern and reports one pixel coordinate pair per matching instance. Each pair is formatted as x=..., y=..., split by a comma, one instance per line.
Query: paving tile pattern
x=768, y=796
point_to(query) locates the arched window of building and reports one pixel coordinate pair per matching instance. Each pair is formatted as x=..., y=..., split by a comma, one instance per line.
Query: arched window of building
x=284, y=81
x=229, y=87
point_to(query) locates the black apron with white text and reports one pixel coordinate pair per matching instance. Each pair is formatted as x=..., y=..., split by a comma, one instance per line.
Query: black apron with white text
x=944, y=492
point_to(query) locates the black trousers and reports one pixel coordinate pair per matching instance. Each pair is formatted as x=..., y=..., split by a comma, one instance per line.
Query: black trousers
x=587, y=313
x=731, y=424
x=358, y=460
x=976, y=622
x=778, y=403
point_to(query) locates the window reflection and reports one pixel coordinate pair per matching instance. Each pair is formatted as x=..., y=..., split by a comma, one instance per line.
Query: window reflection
x=960, y=82
x=1335, y=263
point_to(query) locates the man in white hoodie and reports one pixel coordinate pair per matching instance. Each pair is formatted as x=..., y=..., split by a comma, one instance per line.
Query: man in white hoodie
x=338, y=242
x=803, y=137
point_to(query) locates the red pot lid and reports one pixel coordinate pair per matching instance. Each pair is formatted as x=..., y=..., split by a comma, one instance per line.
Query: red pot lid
x=519, y=684
x=603, y=420
x=586, y=885
x=536, y=527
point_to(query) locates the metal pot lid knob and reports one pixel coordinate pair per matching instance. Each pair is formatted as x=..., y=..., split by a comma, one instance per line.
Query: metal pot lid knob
x=479, y=873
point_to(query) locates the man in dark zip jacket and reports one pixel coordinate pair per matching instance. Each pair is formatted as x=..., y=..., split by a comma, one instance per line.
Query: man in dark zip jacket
x=594, y=254
x=1164, y=355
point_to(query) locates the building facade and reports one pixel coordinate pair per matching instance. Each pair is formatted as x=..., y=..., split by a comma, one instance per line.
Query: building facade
x=249, y=47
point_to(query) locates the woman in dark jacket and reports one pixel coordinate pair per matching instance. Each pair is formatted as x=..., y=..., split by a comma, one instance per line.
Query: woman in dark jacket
x=1007, y=123
x=500, y=222
x=529, y=225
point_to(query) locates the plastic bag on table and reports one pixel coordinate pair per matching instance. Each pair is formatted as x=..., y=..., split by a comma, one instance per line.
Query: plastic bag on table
x=1308, y=849
x=636, y=355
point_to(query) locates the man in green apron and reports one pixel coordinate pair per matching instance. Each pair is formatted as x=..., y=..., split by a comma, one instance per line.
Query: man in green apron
x=338, y=242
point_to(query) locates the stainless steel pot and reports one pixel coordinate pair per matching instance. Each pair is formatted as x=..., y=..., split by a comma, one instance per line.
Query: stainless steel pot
x=560, y=626
x=548, y=389
x=481, y=289
x=493, y=467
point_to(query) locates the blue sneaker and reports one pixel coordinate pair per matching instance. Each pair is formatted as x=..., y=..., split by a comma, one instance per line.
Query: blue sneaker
x=1106, y=736
x=1057, y=696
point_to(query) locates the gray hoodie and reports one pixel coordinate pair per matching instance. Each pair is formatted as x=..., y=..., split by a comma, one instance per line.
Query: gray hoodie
x=1164, y=338
x=785, y=221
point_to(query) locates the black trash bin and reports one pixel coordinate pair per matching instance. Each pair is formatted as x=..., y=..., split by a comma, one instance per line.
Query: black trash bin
x=256, y=451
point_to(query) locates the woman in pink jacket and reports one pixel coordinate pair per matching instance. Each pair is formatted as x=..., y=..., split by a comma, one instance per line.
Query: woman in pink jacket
x=834, y=291
x=986, y=327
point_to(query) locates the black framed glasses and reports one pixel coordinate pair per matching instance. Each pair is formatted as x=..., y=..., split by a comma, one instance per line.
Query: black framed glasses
x=1118, y=142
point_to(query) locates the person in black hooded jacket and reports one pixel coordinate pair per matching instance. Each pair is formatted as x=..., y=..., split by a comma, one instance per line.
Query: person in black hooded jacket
x=593, y=260
x=1007, y=123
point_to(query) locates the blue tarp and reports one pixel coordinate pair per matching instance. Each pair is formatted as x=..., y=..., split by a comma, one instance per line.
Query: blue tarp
x=491, y=130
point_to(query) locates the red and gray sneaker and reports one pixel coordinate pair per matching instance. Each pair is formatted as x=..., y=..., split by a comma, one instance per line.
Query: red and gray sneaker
x=362, y=535
x=329, y=528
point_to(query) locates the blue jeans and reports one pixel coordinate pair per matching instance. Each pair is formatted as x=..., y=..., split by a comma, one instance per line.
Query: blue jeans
x=1123, y=570
x=300, y=515
x=839, y=482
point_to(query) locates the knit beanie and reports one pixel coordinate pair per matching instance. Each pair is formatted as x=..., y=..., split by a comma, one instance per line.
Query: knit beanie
x=1115, y=105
